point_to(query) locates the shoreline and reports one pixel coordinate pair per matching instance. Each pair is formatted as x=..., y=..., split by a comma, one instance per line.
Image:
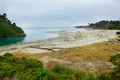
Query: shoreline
x=65, y=39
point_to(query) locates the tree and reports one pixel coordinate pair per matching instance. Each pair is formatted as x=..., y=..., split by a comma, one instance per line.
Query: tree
x=4, y=15
x=9, y=21
x=14, y=24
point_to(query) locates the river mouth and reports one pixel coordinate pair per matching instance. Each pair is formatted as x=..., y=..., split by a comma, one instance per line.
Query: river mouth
x=34, y=34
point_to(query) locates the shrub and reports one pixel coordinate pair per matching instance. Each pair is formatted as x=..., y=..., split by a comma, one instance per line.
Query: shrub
x=91, y=77
x=30, y=74
x=71, y=77
x=103, y=77
x=58, y=69
x=6, y=69
x=51, y=76
x=117, y=32
x=32, y=63
x=26, y=68
x=8, y=55
x=9, y=58
x=115, y=59
x=115, y=74
x=80, y=76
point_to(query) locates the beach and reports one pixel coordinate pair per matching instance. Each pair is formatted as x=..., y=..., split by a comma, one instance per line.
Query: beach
x=65, y=39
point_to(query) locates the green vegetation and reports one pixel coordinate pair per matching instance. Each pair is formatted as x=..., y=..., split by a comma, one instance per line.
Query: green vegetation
x=8, y=29
x=32, y=69
x=106, y=25
x=118, y=33
x=115, y=74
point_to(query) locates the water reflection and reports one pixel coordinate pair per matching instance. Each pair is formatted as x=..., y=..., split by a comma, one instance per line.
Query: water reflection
x=11, y=40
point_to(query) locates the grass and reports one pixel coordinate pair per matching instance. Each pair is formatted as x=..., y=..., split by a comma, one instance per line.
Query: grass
x=12, y=68
x=92, y=58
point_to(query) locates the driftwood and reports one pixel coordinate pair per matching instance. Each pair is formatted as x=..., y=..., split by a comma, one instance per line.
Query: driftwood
x=42, y=48
x=47, y=48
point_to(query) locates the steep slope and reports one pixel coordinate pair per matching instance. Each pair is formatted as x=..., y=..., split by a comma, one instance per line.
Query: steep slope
x=8, y=29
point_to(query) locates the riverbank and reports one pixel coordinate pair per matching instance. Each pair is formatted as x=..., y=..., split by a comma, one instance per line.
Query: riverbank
x=64, y=40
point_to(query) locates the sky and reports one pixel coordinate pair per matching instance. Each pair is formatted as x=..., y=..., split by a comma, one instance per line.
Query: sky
x=30, y=13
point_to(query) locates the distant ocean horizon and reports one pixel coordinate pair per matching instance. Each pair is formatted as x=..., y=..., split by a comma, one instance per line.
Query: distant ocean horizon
x=34, y=34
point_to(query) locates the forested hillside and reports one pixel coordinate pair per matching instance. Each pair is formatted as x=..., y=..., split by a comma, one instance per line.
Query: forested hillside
x=9, y=29
x=106, y=25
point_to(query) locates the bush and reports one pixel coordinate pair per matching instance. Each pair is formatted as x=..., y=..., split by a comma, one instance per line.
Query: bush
x=58, y=68
x=115, y=74
x=32, y=63
x=30, y=74
x=26, y=68
x=71, y=77
x=8, y=55
x=51, y=76
x=103, y=77
x=115, y=59
x=6, y=69
x=8, y=58
x=80, y=76
x=91, y=77
x=117, y=32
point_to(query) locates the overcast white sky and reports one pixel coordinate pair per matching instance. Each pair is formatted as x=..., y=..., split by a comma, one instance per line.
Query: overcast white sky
x=27, y=13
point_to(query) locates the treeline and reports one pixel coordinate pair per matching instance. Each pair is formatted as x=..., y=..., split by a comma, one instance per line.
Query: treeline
x=104, y=24
x=9, y=29
x=3, y=18
x=12, y=68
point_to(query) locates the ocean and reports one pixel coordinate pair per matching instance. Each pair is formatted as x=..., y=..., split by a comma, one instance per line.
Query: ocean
x=33, y=34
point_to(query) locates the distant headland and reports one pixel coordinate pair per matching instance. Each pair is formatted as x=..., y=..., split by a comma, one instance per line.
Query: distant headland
x=9, y=29
x=104, y=24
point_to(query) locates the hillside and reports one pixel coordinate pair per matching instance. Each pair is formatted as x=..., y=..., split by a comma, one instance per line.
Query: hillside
x=13, y=68
x=104, y=24
x=8, y=29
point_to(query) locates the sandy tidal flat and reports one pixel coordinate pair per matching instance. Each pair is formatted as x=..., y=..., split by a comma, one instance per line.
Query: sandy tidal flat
x=64, y=40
